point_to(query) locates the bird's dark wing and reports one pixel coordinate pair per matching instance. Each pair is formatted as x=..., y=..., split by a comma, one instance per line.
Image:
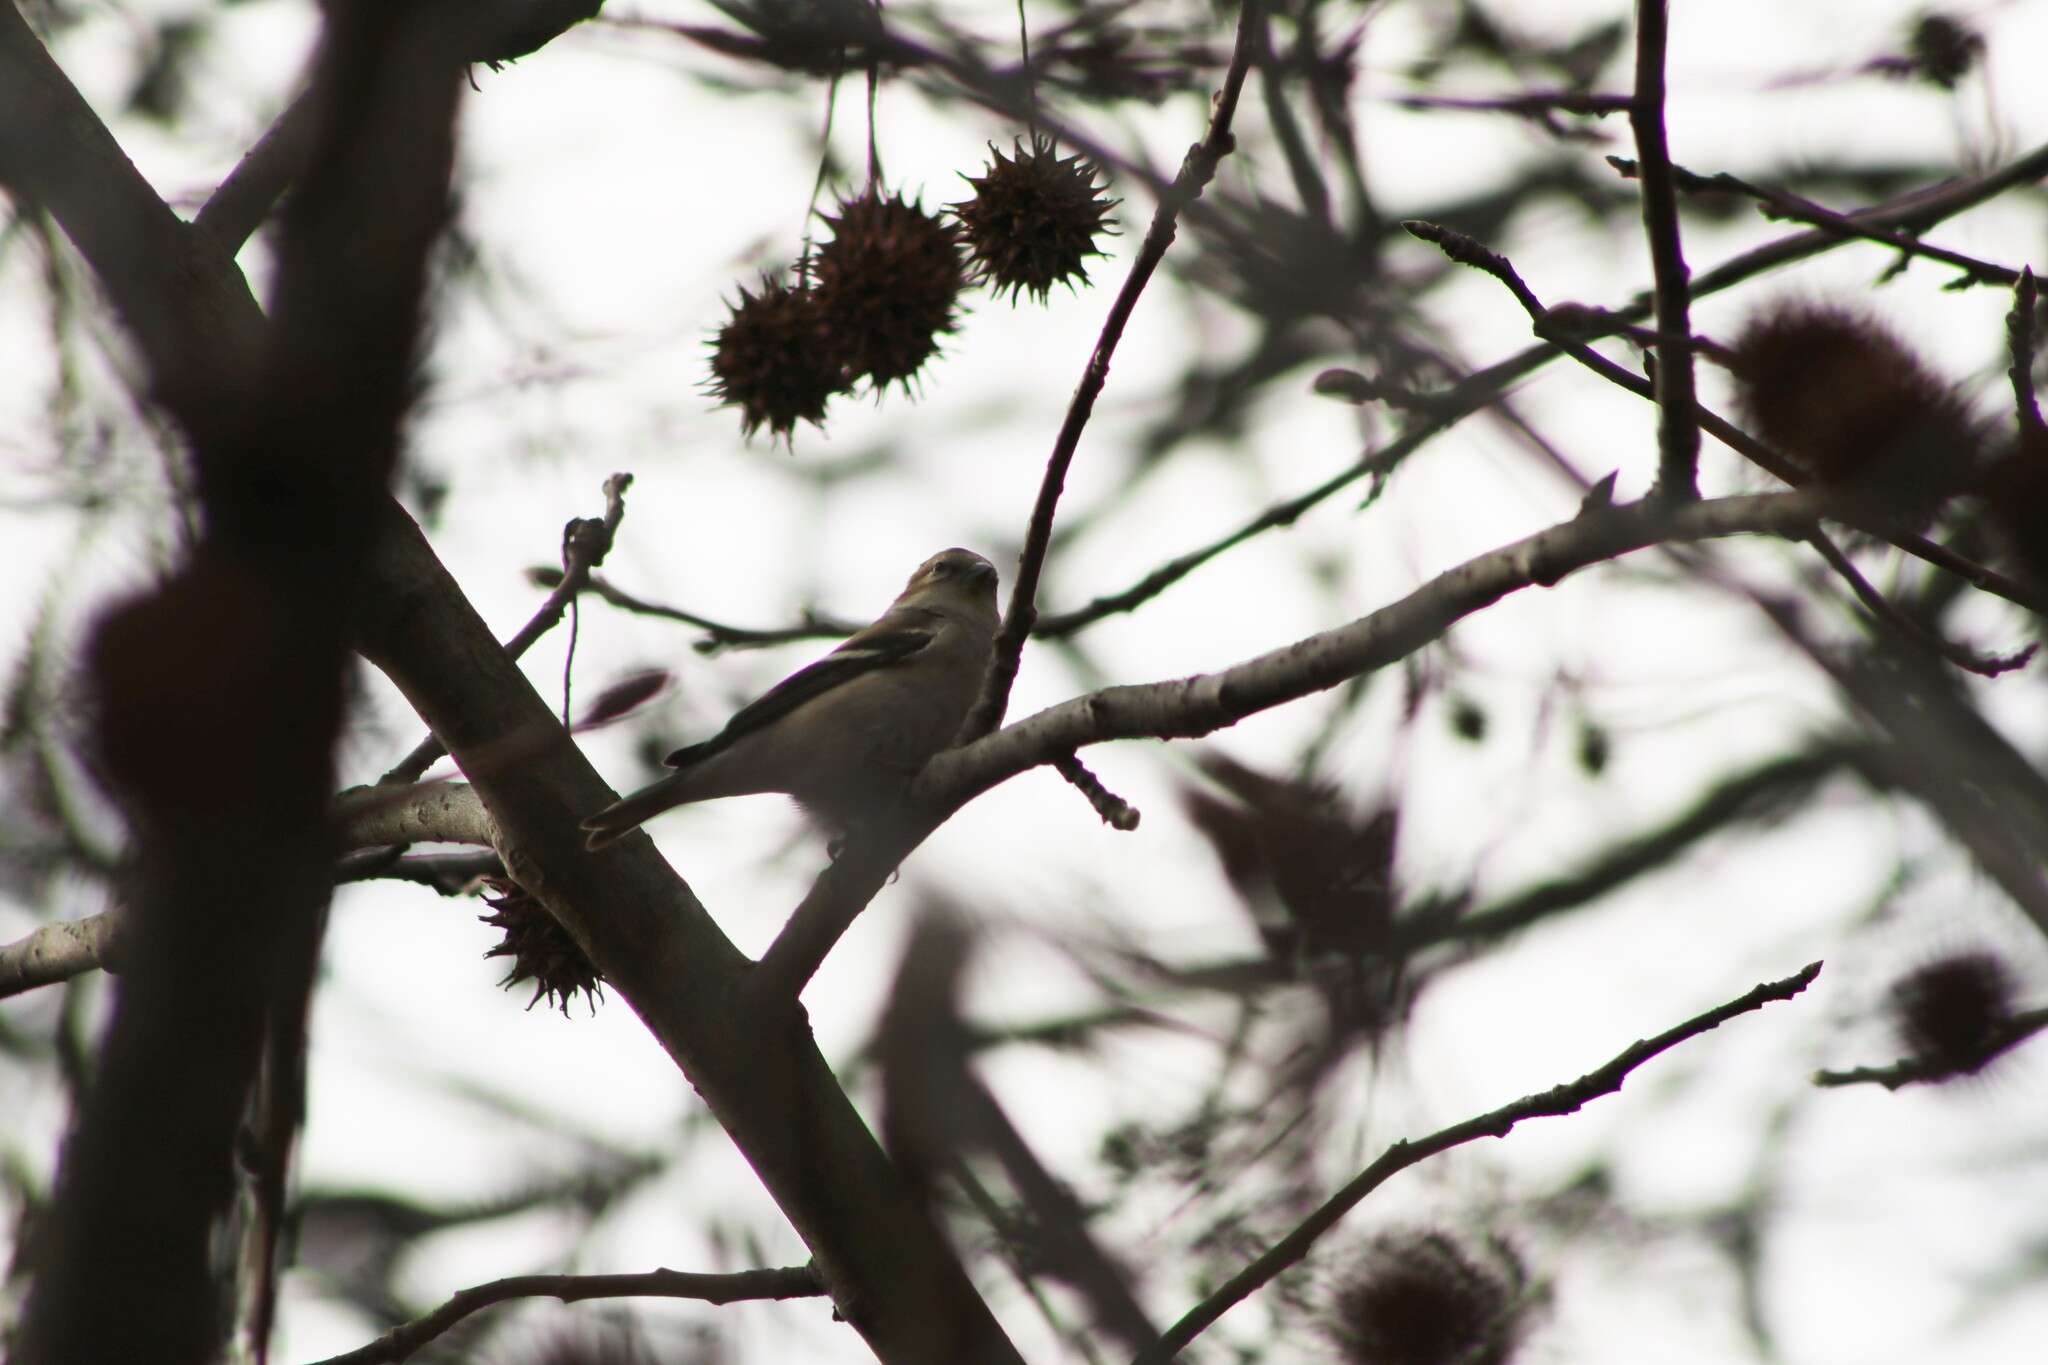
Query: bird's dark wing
x=881, y=646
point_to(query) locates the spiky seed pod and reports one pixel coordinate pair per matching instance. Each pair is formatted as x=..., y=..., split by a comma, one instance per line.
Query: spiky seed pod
x=1944, y=49
x=887, y=285
x=1948, y=1011
x=1033, y=219
x=540, y=948
x=1853, y=406
x=774, y=360
x=1422, y=1299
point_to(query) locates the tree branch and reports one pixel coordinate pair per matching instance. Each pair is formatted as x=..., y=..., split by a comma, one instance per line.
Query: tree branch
x=58, y=952
x=790, y=1282
x=748, y=1053
x=1207, y=702
x=585, y=543
x=1909, y=1070
x=1195, y=173
x=1922, y=208
x=499, y=31
x=1552, y=1103
x=1779, y=204
x=1678, y=433
x=1190, y=707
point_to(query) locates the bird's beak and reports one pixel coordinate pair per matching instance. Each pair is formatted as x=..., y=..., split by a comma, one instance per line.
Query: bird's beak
x=984, y=573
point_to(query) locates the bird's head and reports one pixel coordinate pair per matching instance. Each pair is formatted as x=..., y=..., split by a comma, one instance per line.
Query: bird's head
x=958, y=579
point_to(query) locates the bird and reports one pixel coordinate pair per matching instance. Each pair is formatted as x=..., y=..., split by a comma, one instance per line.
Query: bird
x=846, y=735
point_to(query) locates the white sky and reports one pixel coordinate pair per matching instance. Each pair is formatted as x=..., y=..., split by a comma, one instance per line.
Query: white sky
x=618, y=203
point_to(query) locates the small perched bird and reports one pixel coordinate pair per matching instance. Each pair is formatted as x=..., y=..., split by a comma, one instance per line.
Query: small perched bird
x=846, y=735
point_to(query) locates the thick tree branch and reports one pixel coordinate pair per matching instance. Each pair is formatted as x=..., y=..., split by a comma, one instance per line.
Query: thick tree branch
x=293, y=442
x=58, y=952
x=180, y=295
x=1195, y=173
x=367, y=818
x=749, y=1053
x=1206, y=702
x=1552, y=1103
x=741, y=1286
x=492, y=31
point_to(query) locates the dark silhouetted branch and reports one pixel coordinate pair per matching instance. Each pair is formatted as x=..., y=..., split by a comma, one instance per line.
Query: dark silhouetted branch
x=791, y=1282
x=1555, y=1102
x=1910, y=1070
x=1195, y=173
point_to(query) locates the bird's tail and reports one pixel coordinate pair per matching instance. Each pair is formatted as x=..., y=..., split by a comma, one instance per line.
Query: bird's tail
x=623, y=816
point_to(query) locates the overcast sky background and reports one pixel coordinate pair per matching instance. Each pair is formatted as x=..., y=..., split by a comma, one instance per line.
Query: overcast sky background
x=617, y=203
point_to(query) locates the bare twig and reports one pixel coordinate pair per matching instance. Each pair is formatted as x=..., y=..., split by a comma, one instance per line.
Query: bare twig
x=1195, y=173
x=789, y=1282
x=1534, y=102
x=1780, y=204
x=1916, y=211
x=585, y=543
x=811, y=626
x=1985, y=666
x=1551, y=1103
x=1569, y=327
x=2019, y=339
x=1678, y=432
x=1116, y=812
x=1906, y=1071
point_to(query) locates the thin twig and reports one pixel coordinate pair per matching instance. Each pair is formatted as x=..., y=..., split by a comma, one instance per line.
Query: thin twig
x=585, y=543
x=1783, y=205
x=1678, y=432
x=1554, y=1102
x=1983, y=665
x=1568, y=328
x=1917, y=210
x=810, y=626
x=1906, y=1071
x=1196, y=171
x=2019, y=339
x=1534, y=102
x=1116, y=812
x=789, y=1282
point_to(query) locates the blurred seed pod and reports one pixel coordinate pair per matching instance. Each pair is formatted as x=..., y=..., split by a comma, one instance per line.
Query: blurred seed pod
x=1034, y=219
x=1949, y=1011
x=1422, y=1298
x=1943, y=50
x=540, y=948
x=775, y=361
x=1853, y=406
x=887, y=285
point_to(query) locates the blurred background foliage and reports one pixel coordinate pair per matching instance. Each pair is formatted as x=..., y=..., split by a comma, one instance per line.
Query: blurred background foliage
x=1572, y=823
